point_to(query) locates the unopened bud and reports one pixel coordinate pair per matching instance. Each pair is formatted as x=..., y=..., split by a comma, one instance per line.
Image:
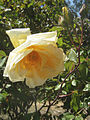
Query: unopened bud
x=65, y=10
x=82, y=9
x=60, y=20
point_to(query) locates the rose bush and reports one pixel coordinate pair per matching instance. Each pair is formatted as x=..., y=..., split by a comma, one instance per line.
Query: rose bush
x=35, y=60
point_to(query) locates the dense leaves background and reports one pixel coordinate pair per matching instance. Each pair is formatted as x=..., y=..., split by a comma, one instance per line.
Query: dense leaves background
x=72, y=87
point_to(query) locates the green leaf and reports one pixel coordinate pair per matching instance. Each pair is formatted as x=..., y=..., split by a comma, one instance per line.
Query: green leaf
x=64, y=92
x=87, y=87
x=57, y=87
x=2, y=54
x=73, y=56
x=36, y=116
x=74, y=25
x=54, y=79
x=30, y=4
x=68, y=116
x=26, y=116
x=69, y=65
x=8, y=85
x=78, y=117
x=75, y=102
x=2, y=61
x=49, y=88
x=60, y=41
x=63, y=118
x=83, y=68
x=3, y=96
x=74, y=82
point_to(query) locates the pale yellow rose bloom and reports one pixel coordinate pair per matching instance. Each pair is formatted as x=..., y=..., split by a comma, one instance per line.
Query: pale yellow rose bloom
x=35, y=60
x=18, y=35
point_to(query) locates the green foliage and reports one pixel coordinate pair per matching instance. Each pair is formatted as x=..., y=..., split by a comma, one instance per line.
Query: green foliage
x=3, y=58
x=73, y=85
x=2, y=53
x=72, y=56
x=75, y=102
x=87, y=87
x=68, y=116
x=2, y=61
x=38, y=15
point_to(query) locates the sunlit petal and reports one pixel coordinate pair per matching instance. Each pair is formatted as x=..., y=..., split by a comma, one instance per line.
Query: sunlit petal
x=18, y=36
x=43, y=38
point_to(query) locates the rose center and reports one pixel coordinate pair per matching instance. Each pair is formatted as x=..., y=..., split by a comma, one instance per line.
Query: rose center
x=33, y=57
x=31, y=60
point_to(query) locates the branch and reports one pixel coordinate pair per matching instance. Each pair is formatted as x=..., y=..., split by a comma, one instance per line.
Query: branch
x=81, y=32
x=72, y=40
x=35, y=98
x=61, y=96
x=3, y=87
x=61, y=87
x=75, y=34
x=42, y=106
x=72, y=71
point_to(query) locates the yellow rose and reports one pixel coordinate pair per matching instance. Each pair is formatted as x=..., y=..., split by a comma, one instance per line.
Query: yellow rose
x=18, y=36
x=35, y=60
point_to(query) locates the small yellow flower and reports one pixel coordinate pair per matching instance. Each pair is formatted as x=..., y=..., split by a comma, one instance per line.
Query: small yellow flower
x=35, y=60
x=18, y=36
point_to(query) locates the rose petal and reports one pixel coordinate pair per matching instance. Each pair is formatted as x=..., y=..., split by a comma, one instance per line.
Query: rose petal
x=43, y=38
x=18, y=36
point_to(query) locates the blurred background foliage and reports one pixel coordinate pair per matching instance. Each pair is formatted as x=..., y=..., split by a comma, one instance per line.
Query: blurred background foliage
x=46, y=15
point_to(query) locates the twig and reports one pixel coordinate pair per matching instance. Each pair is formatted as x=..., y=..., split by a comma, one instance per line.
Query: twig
x=42, y=106
x=75, y=34
x=61, y=87
x=35, y=98
x=81, y=32
x=61, y=96
x=3, y=88
x=80, y=110
x=35, y=105
x=72, y=40
x=29, y=106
